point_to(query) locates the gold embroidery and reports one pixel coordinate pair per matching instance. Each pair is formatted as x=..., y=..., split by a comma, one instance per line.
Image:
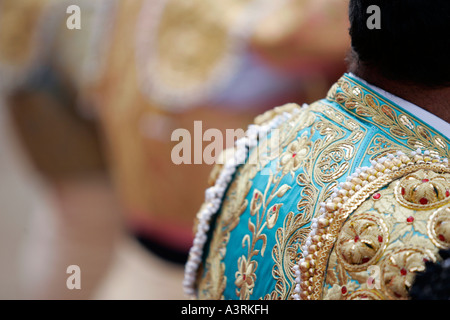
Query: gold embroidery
x=265, y=217
x=423, y=190
x=318, y=179
x=399, y=267
x=332, y=165
x=322, y=142
x=406, y=222
x=382, y=146
x=295, y=154
x=342, y=252
x=300, y=152
x=439, y=228
x=362, y=241
x=213, y=283
x=245, y=277
x=286, y=254
x=385, y=115
x=271, y=148
x=365, y=295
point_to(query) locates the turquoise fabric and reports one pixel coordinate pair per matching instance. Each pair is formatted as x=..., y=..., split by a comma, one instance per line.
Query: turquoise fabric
x=375, y=139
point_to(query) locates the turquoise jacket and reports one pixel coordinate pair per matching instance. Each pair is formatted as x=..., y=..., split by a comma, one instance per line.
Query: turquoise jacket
x=323, y=201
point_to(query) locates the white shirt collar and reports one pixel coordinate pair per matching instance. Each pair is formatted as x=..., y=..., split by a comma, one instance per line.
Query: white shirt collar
x=422, y=114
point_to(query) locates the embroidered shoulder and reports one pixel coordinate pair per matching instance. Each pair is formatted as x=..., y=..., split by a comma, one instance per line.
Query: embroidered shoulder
x=220, y=178
x=389, y=219
x=224, y=157
x=261, y=120
x=365, y=104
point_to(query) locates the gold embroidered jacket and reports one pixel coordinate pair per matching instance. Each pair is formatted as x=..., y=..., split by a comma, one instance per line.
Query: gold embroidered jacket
x=343, y=199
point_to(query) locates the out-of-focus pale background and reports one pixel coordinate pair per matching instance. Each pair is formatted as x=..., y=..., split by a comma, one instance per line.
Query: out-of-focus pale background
x=45, y=228
x=86, y=116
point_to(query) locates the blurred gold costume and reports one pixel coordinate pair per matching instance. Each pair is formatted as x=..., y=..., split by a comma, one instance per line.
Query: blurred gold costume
x=19, y=41
x=185, y=61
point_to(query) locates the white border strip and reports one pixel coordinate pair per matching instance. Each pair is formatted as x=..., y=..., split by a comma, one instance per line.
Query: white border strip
x=215, y=194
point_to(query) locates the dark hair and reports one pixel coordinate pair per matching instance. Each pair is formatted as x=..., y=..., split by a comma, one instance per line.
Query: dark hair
x=434, y=282
x=412, y=45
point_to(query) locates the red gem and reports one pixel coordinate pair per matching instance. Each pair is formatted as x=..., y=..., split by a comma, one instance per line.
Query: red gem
x=244, y=277
x=425, y=180
x=377, y=196
x=403, y=272
x=403, y=191
x=293, y=155
x=447, y=193
x=344, y=290
x=423, y=201
x=356, y=238
x=364, y=260
x=410, y=219
x=441, y=237
x=380, y=239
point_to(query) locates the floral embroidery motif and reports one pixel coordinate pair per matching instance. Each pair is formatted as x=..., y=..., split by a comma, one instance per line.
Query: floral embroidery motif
x=300, y=153
x=407, y=237
x=348, y=94
x=423, y=190
x=266, y=216
x=381, y=147
x=245, y=277
x=439, y=228
x=406, y=223
x=286, y=254
x=334, y=151
x=213, y=283
x=270, y=149
x=295, y=154
x=399, y=267
x=317, y=256
x=362, y=240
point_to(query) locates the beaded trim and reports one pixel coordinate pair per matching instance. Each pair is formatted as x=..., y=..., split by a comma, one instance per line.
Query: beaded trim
x=214, y=194
x=305, y=269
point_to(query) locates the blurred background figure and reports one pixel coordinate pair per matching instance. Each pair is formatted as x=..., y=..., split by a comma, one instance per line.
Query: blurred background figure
x=219, y=62
x=86, y=123
x=56, y=205
x=57, y=202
